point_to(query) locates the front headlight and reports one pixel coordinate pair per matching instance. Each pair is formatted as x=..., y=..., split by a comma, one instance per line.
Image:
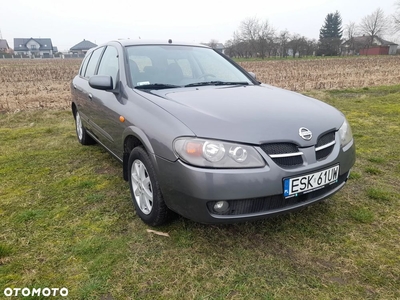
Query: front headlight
x=217, y=154
x=345, y=133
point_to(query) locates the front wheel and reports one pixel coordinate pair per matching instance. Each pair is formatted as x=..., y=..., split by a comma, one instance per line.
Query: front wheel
x=145, y=189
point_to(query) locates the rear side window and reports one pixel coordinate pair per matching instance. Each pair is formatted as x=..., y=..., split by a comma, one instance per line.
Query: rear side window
x=91, y=67
x=84, y=65
x=109, y=64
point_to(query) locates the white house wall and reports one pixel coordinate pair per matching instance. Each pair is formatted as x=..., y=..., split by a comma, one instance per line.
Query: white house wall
x=392, y=49
x=32, y=43
x=37, y=46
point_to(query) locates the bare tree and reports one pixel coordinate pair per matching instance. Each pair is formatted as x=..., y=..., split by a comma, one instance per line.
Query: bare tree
x=350, y=31
x=241, y=46
x=375, y=24
x=237, y=46
x=213, y=43
x=266, y=38
x=294, y=44
x=258, y=34
x=311, y=47
x=229, y=48
x=299, y=45
x=283, y=40
x=248, y=32
x=396, y=17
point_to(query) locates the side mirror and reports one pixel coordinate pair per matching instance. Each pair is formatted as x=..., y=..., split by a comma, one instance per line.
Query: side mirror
x=101, y=82
x=253, y=75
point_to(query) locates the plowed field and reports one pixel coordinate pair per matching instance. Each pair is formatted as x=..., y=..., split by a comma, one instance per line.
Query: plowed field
x=35, y=84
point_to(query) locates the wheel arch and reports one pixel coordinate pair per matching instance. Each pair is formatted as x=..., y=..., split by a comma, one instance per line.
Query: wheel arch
x=134, y=137
x=73, y=108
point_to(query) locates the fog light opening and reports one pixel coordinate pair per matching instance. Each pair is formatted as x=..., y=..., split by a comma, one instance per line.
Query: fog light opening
x=221, y=207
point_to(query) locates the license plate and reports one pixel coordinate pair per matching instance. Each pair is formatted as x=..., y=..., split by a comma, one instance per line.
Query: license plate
x=307, y=183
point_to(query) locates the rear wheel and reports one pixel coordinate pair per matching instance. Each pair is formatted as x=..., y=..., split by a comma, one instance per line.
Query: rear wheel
x=81, y=132
x=145, y=189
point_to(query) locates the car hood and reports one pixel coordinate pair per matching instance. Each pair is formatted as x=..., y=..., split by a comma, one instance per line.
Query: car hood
x=248, y=114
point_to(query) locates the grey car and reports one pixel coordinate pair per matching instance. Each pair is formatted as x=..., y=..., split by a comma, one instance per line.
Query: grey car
x=199, y=136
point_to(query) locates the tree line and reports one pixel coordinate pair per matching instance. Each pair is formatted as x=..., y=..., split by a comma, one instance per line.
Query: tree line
x=257, y=38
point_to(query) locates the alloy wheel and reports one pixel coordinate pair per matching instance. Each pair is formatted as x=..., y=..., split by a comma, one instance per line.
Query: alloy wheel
x=142, y=188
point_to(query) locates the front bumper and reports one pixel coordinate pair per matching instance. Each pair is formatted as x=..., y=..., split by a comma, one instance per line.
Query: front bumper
x=251, y=193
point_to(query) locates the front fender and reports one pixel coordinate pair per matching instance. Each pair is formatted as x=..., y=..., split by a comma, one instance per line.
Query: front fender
x=140, y=135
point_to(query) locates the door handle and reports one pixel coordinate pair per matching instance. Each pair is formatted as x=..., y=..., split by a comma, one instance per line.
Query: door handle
x=90, y=96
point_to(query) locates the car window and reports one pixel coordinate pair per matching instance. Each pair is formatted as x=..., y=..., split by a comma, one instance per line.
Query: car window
x=221, y=69
x=141, y=61
x=109, y=64
x=84, y=65
x=179, y=65
x=91, y=67
x=185, y=65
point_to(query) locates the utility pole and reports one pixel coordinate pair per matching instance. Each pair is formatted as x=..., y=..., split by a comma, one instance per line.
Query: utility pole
x=1, y=36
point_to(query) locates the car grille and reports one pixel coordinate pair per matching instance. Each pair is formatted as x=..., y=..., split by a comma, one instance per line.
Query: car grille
x=276, y=202
x=325, y=145
x=289, y=155
x=284, y=154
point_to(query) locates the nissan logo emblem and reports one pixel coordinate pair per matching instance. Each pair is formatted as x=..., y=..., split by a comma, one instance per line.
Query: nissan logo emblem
x=305, y=133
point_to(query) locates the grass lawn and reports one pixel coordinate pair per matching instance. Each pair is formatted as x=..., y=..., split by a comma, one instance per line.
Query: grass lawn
x=66, y=220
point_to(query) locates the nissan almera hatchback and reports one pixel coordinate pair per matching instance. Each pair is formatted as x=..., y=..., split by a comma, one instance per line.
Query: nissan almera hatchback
x=199, y=136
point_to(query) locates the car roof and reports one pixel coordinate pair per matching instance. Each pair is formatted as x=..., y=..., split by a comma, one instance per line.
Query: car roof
x=129, y=42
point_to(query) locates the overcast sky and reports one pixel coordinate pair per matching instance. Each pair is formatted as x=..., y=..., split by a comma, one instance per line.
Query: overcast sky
x=69, y=22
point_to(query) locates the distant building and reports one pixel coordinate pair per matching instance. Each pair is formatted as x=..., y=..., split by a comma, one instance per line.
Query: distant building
x=368, y=45
x=34, y=47
x=4, y=46
x=82, y=47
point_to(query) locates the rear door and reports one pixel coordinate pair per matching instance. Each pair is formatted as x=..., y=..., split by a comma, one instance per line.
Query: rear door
x=107, y=105
x=81, y=88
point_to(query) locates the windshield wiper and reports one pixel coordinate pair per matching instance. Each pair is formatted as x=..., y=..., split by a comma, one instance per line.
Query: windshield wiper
x=156, y=86
x=204, y=83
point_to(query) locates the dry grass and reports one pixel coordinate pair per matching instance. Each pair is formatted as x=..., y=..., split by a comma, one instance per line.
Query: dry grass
x=34, y=84
x=329, y=73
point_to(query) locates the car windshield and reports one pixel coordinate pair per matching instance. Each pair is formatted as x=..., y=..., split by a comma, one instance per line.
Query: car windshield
x=171, y=66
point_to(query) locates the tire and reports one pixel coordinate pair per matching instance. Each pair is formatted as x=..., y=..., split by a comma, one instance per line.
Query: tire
x=145, y=190
x=81, y=132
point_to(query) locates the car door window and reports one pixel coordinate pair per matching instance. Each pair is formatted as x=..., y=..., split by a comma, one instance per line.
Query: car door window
x=109, y=64
x=84, y=65
x=91, y=67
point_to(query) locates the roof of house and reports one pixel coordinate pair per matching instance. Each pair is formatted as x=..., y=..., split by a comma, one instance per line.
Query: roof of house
x=384, y=42
x=366, y=39
x=20, y=44
x=4, y=44
x=84, y=45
